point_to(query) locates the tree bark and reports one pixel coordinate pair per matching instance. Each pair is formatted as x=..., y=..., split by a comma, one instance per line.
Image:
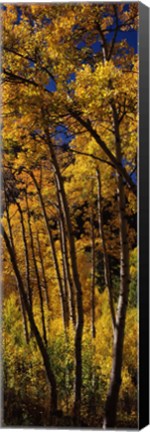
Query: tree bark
x=107, y=275
x=54, y=256
x=66, y=265
x=24, y=318
x=43, y=273
x=76, y=281
x=93, y=274
x=37, y=273
x=29, y=288
x=115, y=380
x=41, y=345
x=66, y=293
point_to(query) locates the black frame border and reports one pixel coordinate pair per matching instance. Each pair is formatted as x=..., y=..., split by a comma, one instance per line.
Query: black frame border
x=143, y=215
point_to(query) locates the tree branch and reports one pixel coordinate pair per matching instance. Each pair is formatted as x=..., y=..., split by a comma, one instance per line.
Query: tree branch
x=26, y=57
x=88, y=126
x=92, y=156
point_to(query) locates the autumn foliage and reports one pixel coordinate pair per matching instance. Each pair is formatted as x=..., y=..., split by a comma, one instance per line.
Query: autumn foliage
x=69, y=94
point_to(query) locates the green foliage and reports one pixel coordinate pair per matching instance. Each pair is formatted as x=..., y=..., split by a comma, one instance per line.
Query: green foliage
x=94, y=385
x=61, y=352
x=26, y=395
x=22, y=370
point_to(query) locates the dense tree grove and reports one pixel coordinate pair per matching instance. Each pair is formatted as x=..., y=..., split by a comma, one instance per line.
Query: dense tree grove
x=69, y=94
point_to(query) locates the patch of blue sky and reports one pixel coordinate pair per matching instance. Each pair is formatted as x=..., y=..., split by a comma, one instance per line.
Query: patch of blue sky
x=134, y=177
x=31, y=64
x=133, y=174
x=96, y=46
x=51, y=86
x=81, y=45
x=62, y=136
x=19, y=14
x=46, y=20
x=131, y=36
x=71, y=77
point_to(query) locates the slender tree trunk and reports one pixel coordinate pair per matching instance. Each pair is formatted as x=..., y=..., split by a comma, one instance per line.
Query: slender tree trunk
x=25, y=321
x=107, y=275
x=67, y=273
x=29, y=288
x=43, y=272
x=41, y=345
x=37, y=273
x=115, y=380
x=93, y=275
x=54, y=256
x=93, y=326
x=66, y=294
x=24, y=318
x=76, y=281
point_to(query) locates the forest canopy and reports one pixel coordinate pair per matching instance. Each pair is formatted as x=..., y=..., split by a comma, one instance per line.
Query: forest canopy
x=69, y=198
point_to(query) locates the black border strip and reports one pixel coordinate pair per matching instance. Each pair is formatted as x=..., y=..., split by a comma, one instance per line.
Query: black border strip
x=143, y=216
